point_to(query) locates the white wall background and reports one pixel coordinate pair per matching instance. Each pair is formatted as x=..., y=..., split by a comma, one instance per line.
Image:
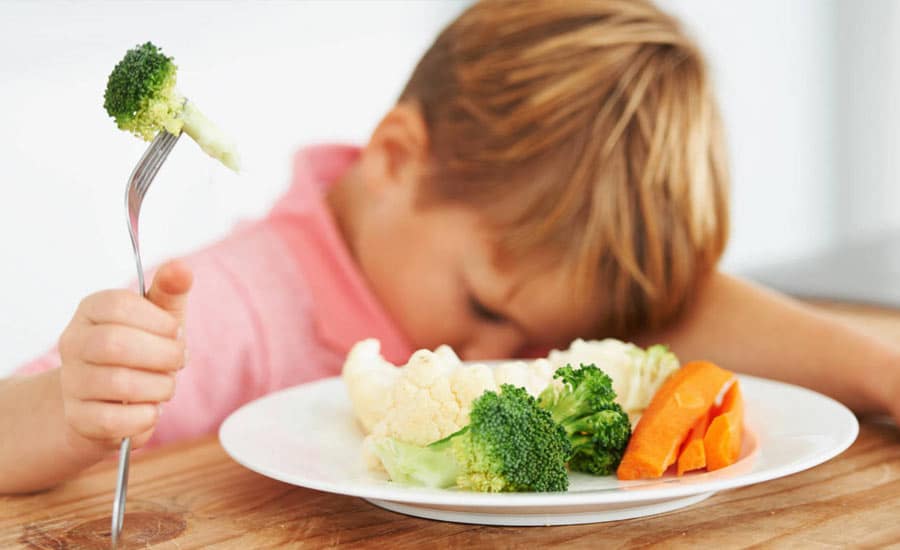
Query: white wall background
x=868, y=118
x=801, y=109
x=774, y=67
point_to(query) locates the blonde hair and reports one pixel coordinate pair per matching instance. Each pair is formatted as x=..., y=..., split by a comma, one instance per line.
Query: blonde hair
x=586, y=128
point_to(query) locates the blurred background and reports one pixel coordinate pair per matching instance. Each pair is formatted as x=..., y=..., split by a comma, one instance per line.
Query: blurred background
x=807, y=89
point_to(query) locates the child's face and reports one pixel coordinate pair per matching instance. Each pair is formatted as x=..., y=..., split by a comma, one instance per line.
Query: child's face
x=432, y=269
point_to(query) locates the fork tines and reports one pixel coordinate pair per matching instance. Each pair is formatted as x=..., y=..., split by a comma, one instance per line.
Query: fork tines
x=150, y=163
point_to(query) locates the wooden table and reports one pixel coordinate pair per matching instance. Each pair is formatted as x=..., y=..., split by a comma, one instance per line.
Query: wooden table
x=192, y=495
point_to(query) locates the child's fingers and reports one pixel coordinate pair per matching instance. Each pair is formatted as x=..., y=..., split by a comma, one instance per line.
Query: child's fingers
x=99, y=420
x=124, y=307
x=124, y=346
x=170, y=288
x=96, y=383
x=139, y=440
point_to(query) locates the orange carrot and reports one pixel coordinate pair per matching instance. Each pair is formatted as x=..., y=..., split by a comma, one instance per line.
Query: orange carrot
x=722, y=441
x=686, y=396
x=693, y=455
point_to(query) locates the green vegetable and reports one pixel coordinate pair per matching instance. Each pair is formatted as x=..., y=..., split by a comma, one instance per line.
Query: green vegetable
x=142, y=98
x=510, y=444
x=597, y=427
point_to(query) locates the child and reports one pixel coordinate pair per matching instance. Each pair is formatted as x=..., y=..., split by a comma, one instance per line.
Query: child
x=552, y=170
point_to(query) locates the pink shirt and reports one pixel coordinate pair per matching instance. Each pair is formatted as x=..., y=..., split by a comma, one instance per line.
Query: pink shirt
x=276, y=303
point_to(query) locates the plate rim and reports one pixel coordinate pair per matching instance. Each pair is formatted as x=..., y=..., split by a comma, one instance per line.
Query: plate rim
x=642, y=490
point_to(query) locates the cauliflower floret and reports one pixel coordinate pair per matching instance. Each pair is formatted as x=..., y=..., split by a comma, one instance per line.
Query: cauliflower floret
x=534, y=376
x=430, y=400
x=432, y=397
x=369, y=379
x=468, y=382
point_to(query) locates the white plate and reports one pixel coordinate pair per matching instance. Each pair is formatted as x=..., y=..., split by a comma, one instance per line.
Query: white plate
x=307, y=436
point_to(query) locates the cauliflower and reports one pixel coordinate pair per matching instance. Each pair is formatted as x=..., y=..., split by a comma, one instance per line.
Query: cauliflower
x=534, y=376
x=636, y=373
x=432, y=397
x=429, y=397
x=369, y=379
x=425, y=400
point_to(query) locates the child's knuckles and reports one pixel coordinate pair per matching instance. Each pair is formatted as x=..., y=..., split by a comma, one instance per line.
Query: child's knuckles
x=108, y=421
x=104, y=344
x=71, y=341
x=119, y=305
x=121, y=385
x=172, y=323
x=177, y=353
x=145, y=418
x=168, y=388
x=167, y=357
x=160, y=387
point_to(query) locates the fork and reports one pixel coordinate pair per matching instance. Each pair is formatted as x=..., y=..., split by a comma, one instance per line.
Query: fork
x=138, y=184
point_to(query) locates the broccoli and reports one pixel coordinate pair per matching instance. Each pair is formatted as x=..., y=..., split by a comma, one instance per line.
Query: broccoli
x=584, y=405
x=510, y=444
x=142, y=98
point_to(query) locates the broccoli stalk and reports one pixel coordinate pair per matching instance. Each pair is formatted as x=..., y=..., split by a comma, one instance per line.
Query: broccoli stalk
x=597, y=427
x=142, y=98
x=510, y=444
x=434, y=465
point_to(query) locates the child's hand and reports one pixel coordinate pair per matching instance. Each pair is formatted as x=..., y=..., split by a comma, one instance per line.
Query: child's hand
x=120, y=354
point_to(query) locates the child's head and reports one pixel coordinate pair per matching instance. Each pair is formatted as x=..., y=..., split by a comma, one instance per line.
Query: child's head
x=585, y=136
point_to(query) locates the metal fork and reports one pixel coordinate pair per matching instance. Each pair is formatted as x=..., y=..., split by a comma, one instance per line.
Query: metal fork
x=138, y=184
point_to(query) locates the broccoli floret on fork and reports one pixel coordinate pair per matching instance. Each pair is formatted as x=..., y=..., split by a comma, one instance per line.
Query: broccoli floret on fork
x=142, y=97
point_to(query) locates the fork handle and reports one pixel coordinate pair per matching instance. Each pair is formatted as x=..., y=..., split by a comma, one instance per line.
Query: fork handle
x=118, y=515
x=121, y=491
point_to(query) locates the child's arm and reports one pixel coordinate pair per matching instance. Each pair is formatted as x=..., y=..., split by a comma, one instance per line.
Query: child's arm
x=756, y=331
x=119, y=354
x=37, y=449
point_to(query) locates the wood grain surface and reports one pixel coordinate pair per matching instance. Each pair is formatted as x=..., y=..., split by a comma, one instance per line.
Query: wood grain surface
x=192, y=495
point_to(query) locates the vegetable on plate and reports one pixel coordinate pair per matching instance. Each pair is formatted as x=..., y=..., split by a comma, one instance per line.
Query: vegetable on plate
x=681, y=401
x=439, y=422
x=584, y=405
x=722, y=441
x=693, y=453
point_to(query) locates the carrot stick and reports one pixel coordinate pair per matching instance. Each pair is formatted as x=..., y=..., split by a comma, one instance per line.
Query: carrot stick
x=722, y=441
x=686, y=396
x=693, y=455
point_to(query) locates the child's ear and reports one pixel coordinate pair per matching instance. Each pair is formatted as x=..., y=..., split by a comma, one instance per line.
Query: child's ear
x=397, y=152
